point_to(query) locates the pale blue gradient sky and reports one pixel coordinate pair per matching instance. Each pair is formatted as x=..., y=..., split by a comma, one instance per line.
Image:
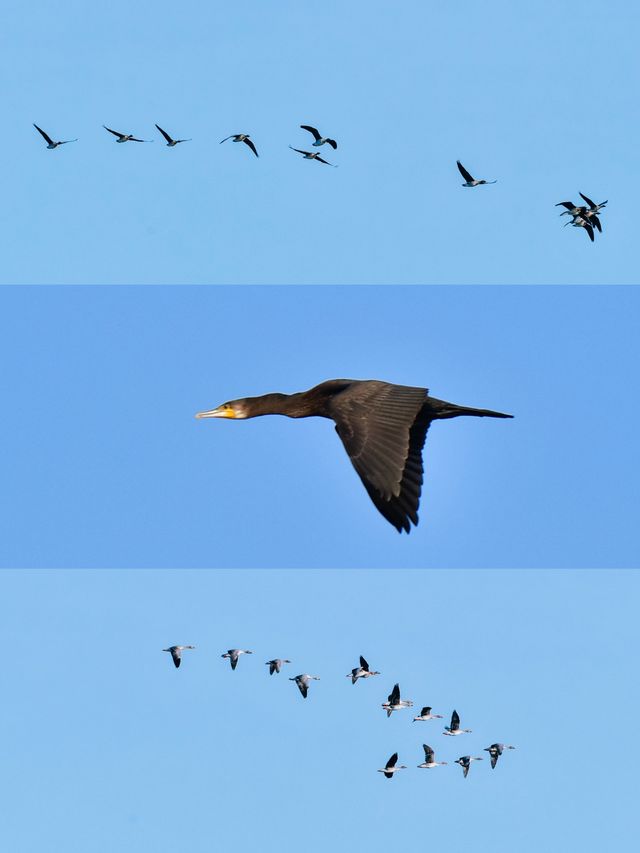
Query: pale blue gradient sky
x=105, y=465
x=538, y=96
x=108, y=747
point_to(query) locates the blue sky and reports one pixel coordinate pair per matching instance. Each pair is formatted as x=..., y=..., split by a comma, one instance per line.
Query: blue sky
x=536, y=96
x=105, y=465
x=116, y=750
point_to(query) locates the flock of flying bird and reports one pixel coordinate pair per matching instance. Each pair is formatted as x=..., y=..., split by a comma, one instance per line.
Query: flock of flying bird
x=393, y=703
x=319, y=140
x=582, y=216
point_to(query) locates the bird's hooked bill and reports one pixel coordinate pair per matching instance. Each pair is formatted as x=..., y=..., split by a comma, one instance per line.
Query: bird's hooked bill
x=220, y=412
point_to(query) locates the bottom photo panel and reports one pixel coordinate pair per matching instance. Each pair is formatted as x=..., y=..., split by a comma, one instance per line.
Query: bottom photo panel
x=266, y=710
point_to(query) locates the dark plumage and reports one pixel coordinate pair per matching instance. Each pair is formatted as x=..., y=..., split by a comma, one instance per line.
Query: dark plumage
x=382, y=427
x=319, y=139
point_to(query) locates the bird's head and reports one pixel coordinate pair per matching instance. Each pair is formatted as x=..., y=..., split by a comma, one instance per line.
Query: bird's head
x=233, y=409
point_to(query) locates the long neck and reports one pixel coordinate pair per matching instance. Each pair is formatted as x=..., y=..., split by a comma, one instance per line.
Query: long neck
x=290, y=405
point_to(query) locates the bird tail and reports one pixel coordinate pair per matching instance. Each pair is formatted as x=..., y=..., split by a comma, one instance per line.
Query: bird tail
x=443, y=409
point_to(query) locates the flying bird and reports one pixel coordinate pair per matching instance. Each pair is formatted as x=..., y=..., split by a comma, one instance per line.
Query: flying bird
x=465, y=762
x=469, y=180
x=429, y=758
x=571, y=208
x=581, y=222
x=382, y=427
x=361, y=671
x=593, y=219
x=312, y=155
x=319, y=140
x=50, y=143
x=596, y=208
x=234, y=655
x=241, y=137
x=394, y=702
x=390, y=767
x=426, y=714
x=275, y=665
x=123, y=137
x=176, y=653
x=495, y=751
x=302, y=682
x=454, y=728
x=171, y=142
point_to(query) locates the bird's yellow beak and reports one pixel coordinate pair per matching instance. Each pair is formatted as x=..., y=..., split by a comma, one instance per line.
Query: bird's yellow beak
x=220, y=412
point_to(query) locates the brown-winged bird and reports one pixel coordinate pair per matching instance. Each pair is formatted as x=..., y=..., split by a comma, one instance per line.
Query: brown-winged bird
x=382, y=426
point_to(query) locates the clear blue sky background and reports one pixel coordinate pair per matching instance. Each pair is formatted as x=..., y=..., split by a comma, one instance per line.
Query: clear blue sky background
x=103, y=463
x=538, y=96
x=108, y=747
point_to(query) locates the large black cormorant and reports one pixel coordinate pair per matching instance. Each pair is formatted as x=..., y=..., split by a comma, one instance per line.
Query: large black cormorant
x=382, y=426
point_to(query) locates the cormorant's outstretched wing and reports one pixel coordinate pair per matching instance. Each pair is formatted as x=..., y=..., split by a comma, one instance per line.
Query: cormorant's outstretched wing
x=175, y=654
x=311, y=130
x=464, y=172
x=298, y=150
x=455, y=721
x=44, y=135
x=326, y=162
x=383, y=429
x=394, y=697
x=568, y=204
x=589, y=230
x=251, y=146
x=392, y=761
x=364, y=664
x=596, y=221
x=428, y=753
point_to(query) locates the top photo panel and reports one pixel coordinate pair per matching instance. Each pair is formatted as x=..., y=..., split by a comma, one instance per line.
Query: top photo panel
x=334, y=143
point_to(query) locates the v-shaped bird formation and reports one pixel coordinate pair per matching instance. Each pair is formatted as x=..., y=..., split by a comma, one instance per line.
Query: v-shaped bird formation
x=393, y=703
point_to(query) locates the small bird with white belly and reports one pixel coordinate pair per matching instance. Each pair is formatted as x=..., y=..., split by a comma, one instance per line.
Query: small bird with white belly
x=242, y=137
x=319, y=140
x=465, y=762
x=303, y=681
x=454, y=728
x=233, y=656
x=312, y=155
x=469, y=180
x=176, y=653
x=275, y=665
x=394, y=702
x=426, y=714
x=429, y=758
x=495, y=751
x=50, y=142
x=392, y=766
x=361, y=671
